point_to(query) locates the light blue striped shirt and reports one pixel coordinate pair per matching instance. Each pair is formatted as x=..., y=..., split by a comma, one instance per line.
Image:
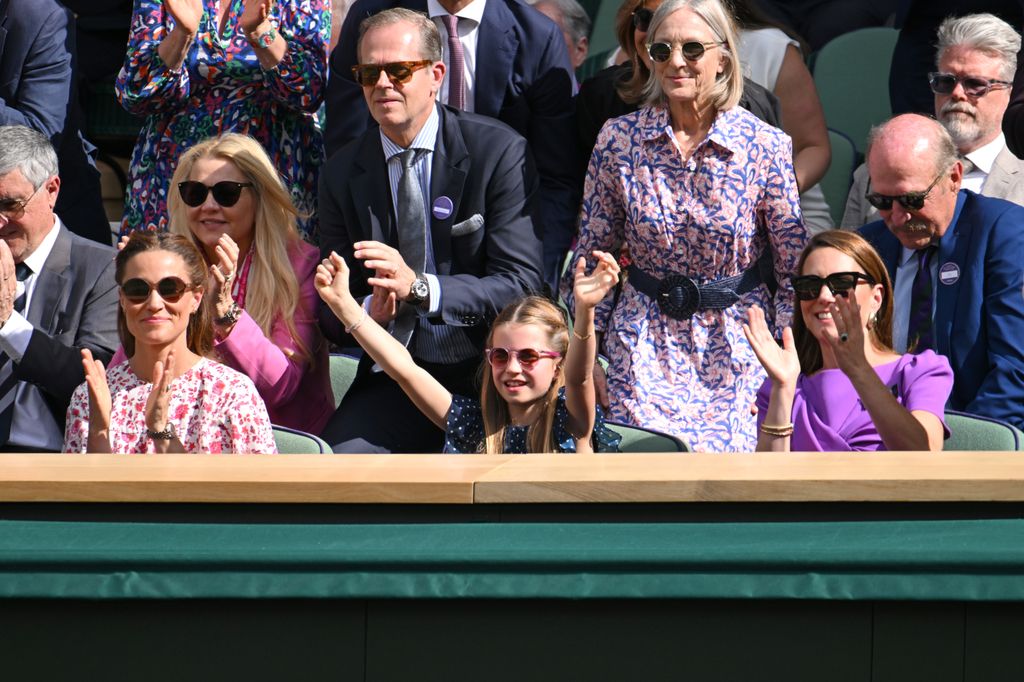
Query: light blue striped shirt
x=436, y=343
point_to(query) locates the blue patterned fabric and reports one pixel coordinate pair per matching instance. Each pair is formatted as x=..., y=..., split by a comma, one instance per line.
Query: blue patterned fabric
x=465, y=430
x=709, y=216
x=220, y=89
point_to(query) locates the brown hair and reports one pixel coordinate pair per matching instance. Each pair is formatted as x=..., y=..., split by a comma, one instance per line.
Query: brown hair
x=199, y=333
x=540, y=312
x=857, y=248
x=630, y=89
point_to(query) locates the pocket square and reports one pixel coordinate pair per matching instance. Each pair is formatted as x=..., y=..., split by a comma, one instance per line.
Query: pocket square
x=468, y=226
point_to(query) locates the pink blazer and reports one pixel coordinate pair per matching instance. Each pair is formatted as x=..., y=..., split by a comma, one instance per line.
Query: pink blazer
x=297, y=390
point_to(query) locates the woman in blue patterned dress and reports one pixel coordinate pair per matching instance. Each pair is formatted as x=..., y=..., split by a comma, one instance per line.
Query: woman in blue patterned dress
x=704, y=195
x=199, y=68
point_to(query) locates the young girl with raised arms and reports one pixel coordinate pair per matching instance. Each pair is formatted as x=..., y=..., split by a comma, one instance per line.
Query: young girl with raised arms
x=537, y=392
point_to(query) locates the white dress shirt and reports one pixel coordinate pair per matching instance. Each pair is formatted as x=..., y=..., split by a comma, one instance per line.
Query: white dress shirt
x=470, y=17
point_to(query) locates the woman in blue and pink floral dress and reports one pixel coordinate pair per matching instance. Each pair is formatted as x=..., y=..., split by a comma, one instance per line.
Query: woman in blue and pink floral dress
x=704, y=196
x=199, y=68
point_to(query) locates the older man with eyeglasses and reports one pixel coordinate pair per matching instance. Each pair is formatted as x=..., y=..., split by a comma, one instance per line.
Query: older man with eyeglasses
x=955, y=260
x=57, y=297
x=434, y=211
x=977, y=55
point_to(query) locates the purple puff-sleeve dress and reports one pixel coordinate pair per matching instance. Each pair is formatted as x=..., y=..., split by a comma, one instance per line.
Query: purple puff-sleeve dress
x=828, y=415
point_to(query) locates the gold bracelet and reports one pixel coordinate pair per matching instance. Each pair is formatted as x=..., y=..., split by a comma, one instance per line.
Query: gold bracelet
x=349, y=330
x=581, y=338
x=778, y=430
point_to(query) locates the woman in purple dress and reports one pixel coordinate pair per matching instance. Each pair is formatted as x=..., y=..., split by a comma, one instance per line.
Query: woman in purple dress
x=836, y=384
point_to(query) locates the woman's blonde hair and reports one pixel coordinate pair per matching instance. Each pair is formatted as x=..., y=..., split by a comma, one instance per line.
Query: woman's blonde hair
x=860, y=250
x=272, y=286
x=728, y=87
x=540, y=312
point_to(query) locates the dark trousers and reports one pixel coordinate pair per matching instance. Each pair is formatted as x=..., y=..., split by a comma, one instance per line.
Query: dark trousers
x=376, y=416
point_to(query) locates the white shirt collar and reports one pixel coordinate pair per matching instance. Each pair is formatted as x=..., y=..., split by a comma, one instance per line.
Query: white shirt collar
x=474, y=11
x=984, y=157
x=37, y=259
x=426, y=138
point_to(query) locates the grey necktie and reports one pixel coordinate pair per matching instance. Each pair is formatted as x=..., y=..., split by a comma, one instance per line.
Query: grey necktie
x=968, y=164
x=412, y=235
x=8, y=384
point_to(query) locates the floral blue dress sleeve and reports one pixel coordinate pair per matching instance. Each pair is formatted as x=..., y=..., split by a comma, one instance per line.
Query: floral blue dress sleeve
x=464, y=433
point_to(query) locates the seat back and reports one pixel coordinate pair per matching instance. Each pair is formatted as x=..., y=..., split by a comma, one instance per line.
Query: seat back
x=839, y=176
x=974, y=432
x=295, y=442
x=638, y=439
x=343, y=373
x=851, y=73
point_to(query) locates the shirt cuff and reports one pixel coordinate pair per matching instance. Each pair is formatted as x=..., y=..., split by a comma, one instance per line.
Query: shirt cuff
x=15, y=336
x=434, y=300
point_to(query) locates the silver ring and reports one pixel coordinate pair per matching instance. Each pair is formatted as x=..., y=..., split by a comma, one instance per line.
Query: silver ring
x=227, y=277
x=844, y=337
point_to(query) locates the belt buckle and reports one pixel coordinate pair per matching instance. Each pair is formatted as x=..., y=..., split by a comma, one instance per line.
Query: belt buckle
x=678, y=296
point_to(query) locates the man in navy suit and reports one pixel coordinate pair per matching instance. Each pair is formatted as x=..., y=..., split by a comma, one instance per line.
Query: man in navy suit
x=38, y=90
x=475, y=186
x=514, y=68
x=968, y=249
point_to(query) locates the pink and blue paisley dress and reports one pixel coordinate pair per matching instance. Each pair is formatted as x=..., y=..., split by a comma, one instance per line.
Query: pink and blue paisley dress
x=221, y=88
x=709, y=217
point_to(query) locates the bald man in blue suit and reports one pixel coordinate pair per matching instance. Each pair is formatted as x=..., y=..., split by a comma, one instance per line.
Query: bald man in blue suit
x=977, y=273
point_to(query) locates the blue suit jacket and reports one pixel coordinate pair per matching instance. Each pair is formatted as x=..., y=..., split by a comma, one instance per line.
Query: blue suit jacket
x=486, y=252
x=37, y=89
x=979, y=317
x=523, y=78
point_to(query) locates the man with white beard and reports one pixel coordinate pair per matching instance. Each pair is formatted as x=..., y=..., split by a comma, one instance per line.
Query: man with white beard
x=977, y=57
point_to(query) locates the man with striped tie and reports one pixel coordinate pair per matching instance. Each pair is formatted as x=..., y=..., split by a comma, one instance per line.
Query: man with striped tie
x=955, y=260
x=57, y=296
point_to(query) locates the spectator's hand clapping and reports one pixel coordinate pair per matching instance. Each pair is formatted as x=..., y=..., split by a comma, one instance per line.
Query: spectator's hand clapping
x=222, y=274
x=254, y=14
x=589, y=290
x=781, y=364
x=186, y=13
x=99, y=395
x=8, y=283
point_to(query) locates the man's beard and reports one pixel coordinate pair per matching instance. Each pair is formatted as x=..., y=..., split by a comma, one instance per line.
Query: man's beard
x=960, y=120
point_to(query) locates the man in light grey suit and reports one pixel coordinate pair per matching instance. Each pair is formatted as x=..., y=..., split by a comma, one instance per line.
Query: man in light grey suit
x=977, y=57
x=57, y=296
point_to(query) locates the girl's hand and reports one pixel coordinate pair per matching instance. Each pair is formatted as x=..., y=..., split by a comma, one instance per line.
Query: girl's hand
x=254, y=14
x=186, y=14
x=99, y=393
x=781, y=364
x=589, y=290
x=849, y=354
x=222, y=275
x=159, y=397
x=331, y=283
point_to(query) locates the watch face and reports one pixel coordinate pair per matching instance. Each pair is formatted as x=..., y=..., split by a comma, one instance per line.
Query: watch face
x=420, y=290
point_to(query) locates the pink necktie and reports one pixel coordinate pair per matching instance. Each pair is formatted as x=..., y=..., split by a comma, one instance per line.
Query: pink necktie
x=456, y=63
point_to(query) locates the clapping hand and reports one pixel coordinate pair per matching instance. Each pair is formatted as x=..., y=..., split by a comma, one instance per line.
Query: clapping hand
x=390, y=270
x=254, y=14
x=186, y=14
x=589, y=290
x=222, y=274
x=159, y=398
x=99, y=395
x=8, y=282
x=847, y=341
x=781, y=363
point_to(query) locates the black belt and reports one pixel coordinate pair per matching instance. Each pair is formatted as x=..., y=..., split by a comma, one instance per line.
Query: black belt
x=679, y=296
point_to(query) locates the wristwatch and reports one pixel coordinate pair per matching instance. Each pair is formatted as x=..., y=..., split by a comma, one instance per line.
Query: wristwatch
x=419, y=291
x=166, y=434
x=265, y=39
x=234, y=312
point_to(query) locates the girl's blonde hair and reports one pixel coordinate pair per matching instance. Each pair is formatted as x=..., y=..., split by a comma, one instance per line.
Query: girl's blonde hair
x=540, y=312
x=273, y=288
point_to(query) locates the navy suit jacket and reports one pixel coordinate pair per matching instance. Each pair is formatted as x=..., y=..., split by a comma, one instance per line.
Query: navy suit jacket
x=37, y=89
x=494, y=255
x=979, y=305
x=523, y=78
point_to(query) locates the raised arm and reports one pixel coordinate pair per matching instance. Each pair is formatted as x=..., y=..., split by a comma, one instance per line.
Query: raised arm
x=803, y=119
x=580, y=397
x=783, y=368
x=425, y=391
x=152, y=79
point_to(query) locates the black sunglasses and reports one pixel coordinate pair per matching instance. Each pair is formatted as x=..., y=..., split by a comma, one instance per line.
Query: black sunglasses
x=367, y=75
x=171, y=289
x=225, y=192
x=808, y=287
x=912, y=201
x=692, y=50
x=642, y=18
x=528, y=357
x=974, y=86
